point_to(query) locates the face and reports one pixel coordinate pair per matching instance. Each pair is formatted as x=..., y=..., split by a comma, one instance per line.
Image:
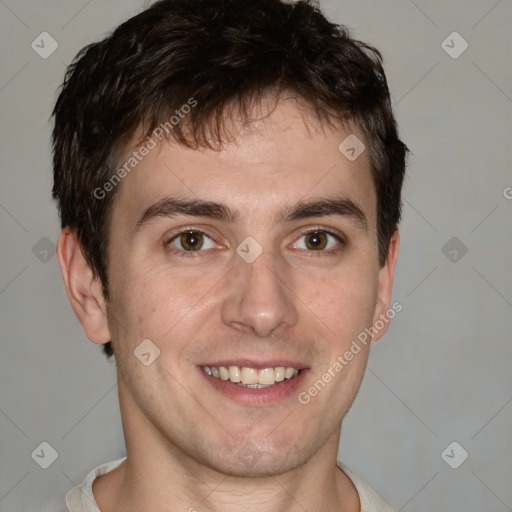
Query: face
x=248, y=263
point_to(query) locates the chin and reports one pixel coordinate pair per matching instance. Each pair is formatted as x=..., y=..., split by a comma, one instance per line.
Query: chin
x=252, y=461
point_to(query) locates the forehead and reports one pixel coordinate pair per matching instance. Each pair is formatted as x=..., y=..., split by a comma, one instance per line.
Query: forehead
x=283, y=157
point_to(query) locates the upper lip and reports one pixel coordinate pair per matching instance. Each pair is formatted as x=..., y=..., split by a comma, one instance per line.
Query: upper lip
x=258, y=364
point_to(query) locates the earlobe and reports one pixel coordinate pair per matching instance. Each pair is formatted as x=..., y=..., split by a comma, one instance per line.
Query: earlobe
x=381, y=316
x=84, y=290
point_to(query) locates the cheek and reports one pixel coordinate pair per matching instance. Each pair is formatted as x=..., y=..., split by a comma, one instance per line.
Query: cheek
x=344, y=300
x=151, y=301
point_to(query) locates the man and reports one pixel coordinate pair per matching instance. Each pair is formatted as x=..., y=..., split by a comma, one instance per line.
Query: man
x=228, y=174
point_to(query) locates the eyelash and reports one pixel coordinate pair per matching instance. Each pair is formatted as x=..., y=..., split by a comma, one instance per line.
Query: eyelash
x=321, y=253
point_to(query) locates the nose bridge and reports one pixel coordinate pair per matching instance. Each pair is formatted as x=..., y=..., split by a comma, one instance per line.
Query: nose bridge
x=258, y=299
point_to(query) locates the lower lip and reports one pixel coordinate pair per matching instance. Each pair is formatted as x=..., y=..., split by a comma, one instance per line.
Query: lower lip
x=257, y=396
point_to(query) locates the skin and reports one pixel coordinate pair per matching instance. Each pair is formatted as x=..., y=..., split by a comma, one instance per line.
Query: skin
x=183, y=437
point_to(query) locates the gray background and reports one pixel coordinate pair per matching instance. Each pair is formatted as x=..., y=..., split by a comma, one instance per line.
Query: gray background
x=441, y=374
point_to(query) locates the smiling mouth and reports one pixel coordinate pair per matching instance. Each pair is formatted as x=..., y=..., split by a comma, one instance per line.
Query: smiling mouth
x=252, y=377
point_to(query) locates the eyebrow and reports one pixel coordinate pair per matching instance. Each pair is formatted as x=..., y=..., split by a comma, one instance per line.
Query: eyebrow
x=170, y=207
x=340, y=206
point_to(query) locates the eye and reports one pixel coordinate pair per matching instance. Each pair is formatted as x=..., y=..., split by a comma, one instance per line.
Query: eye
x=318, y=240
x=191, y=241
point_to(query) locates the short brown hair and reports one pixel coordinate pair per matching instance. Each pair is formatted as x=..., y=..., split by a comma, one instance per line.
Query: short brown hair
x=222, y=53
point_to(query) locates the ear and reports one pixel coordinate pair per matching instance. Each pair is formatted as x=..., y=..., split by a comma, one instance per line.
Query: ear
x=385, y=289
x=84, y=290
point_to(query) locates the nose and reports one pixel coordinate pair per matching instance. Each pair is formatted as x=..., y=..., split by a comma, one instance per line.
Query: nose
x=259, y=300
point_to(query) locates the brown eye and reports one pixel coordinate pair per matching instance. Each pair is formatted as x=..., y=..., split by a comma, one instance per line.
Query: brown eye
x=316, y=241
x=320, y=241
x=191, y=240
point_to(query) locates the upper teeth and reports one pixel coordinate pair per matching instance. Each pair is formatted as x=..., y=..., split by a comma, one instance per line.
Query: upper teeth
x=251, y=377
